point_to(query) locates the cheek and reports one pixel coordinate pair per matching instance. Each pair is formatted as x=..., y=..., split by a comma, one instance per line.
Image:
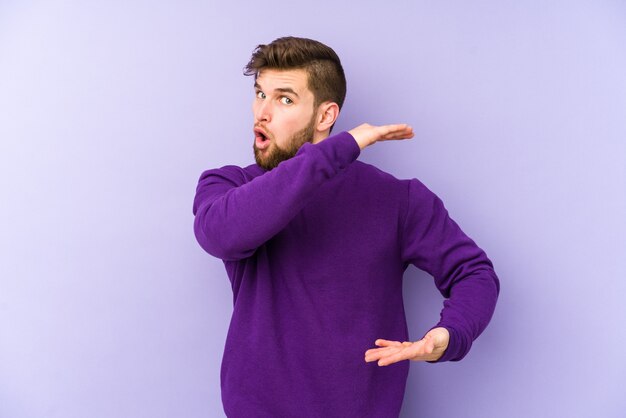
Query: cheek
x=291, y=125
x=285, y=123
x=294, y=121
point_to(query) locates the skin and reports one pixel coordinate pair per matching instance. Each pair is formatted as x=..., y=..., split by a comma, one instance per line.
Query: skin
x=284, y=108
x=286, y=117
x=429, y=348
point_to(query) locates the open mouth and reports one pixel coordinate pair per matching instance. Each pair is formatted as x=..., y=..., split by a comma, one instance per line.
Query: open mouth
x=261, y=139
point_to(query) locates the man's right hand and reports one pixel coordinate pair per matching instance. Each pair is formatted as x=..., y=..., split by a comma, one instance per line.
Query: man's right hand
x=367, y=134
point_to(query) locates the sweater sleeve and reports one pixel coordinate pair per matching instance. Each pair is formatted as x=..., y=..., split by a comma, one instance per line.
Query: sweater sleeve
x=233, y=218
x=433, y=242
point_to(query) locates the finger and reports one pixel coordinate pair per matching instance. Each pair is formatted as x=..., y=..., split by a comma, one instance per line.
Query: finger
x=424, y=350
x=429, y=345
x=421, y=350
x=381, y=342
x=439, y=337
x=404, y=133
x=381, y=351
x=387, y=130
x=388, y=347
x=376, y=354
x=393, y=129
x=389, y=353
x=398, y=127
x=404, y=354
x=396, y=137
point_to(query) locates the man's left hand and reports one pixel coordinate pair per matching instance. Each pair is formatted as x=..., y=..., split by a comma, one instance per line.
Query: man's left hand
x=429, y=348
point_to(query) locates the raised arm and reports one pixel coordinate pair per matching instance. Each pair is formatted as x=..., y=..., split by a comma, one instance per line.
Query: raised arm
x=233, y=218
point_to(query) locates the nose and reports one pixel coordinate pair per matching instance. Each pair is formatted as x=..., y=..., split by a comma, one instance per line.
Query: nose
x=262, y=111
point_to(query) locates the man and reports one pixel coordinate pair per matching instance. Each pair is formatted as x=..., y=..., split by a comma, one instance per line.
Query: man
x=315, y=244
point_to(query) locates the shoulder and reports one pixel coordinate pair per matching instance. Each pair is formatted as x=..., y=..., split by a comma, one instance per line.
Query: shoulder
x=378, y=184
x=411, y=193
x=232, y=173
x=371, y=173
x=412, y=186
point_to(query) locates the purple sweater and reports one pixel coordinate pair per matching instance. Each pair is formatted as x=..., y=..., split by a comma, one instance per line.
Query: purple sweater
x=315, y=251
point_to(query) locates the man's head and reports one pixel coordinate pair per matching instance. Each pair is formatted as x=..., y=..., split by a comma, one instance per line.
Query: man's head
x=300, y=88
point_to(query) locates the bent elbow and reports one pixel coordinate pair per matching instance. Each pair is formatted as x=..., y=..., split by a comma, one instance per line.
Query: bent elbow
x=216, y=242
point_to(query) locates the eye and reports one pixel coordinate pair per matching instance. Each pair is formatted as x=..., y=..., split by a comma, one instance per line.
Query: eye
x=260, y=94
x=286, y=100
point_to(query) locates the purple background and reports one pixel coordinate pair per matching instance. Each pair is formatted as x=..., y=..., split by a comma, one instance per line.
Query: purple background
x=110, y=111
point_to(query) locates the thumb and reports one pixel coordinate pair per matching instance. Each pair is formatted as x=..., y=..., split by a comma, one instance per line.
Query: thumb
x=439, y=337
x=429, y=343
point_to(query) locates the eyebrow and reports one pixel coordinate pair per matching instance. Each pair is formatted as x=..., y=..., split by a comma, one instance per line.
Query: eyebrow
x=280, y=89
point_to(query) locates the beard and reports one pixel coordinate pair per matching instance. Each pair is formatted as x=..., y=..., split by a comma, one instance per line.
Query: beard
x=275, y=154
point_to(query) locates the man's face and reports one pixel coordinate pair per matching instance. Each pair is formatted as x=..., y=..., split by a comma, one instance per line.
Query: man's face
x=284, y=117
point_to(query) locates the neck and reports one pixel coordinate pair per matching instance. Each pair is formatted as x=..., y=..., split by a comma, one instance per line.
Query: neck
x=320, y=136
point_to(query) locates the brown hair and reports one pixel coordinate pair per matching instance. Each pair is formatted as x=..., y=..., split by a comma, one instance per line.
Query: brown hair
x=326, y=78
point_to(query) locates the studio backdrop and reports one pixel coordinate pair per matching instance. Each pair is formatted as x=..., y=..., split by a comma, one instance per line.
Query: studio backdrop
x=110, y=111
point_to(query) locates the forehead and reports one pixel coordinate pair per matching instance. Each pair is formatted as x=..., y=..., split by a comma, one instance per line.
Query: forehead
x=296, y=79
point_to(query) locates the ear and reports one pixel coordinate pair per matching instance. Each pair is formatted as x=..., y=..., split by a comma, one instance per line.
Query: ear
x=327, y=114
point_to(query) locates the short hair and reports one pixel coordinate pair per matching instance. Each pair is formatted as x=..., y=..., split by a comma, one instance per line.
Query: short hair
x=326, y=78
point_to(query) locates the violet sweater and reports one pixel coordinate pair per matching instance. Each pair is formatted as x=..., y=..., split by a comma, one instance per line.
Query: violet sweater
x=315, y=250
